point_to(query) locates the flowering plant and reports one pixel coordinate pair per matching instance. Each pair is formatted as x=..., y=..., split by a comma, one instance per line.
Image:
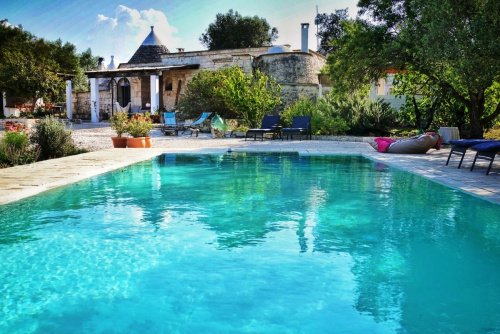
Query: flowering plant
x=119, y=123
x=139, y=125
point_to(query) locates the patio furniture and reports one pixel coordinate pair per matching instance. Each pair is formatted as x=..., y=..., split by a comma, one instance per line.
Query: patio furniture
x=448, y=134
x=170, y=125
x=415, y=145
x=301, y=125
x=459, y=147
x=270, y=124
x=196, y=125
x=486, y=151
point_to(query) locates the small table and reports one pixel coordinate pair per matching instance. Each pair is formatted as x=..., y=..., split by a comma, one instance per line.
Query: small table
x=449, y=133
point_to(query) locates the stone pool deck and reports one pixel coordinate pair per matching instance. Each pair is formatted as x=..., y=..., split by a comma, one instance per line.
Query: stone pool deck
x=24, y=181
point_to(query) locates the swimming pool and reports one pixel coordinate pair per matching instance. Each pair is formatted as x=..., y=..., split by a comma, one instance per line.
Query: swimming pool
x=252, y=243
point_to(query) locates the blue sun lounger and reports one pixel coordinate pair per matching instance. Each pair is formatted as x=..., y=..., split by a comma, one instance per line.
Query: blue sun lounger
x=196, y=125
x=486, y=151
x=459, y=147
x=301, y=125
x=270, y=124
x=170, y=124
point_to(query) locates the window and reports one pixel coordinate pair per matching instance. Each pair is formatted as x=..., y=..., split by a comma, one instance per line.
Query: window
x=168, y=84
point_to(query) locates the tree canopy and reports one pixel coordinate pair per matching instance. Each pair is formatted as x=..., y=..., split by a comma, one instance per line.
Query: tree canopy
x=233, y=31
x=330, y=29
x=454, y=44
x=32, y=67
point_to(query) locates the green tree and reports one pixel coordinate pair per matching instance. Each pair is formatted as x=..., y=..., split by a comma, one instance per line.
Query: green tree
x=202, y=95
x=87, y=62
x=250, y=96
x=453, y=43
x=31, y=68
x=330, y=29
x=232, y=94
x=233, y=31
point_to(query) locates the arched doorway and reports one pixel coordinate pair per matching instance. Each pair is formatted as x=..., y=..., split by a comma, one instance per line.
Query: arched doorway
x=123, y=92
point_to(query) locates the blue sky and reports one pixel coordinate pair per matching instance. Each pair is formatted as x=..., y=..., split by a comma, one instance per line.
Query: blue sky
x=118, y=27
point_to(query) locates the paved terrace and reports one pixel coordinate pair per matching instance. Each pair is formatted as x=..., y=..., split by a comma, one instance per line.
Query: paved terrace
x=24, y=181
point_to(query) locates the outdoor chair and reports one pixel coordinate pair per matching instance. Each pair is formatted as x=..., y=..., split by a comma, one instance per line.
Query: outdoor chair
x=270, y=124
x=486, y=151
x=459, y=147
x=301, y=125
x=196, y=125
x=119, y=108
x=170, y=125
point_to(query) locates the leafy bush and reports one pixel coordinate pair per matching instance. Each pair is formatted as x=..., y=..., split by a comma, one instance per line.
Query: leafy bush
x=139, y=126
x=231, y=93
x=366, y=117
x=119, y=122
x=377, y=117
x=325, y=116
x=202, y=95
x=334, y=114
x=15, y=149
x=52, y=139
x=249, y=96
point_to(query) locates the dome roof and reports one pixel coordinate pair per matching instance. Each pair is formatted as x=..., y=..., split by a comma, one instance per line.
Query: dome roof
x=150, y=50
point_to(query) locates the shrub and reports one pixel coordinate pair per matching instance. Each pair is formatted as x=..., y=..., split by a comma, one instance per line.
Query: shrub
x=52, y=139
x=15, y=149
x=377, y=118
x=119, y=122
x=139, y=126
x=365, y=116
x=250, y=96
x=325, y=116
x=201, y=95
x=231, y=93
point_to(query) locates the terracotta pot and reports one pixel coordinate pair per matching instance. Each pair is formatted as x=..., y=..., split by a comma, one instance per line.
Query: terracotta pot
x=119, y=142
x=139, y=142
x=148, y=142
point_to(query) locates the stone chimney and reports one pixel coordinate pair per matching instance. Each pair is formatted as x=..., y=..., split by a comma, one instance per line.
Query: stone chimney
x=100, y=64
x=305, y=36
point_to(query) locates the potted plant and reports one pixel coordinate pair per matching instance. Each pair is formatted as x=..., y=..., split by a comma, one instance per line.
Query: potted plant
x=119, y=123
x=138, y=127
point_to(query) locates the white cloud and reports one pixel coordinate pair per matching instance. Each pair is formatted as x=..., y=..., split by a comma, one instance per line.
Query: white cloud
x=123, y=33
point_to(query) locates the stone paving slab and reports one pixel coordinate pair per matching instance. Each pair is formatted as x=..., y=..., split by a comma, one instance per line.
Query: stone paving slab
x=24, y=181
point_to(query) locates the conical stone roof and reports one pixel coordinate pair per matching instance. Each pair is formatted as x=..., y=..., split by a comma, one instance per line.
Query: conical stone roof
x=150, y=50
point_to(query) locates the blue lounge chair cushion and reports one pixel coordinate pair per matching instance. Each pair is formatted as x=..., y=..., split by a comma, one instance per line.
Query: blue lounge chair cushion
x=468, y=142
x=489, y=146
x=269, y=125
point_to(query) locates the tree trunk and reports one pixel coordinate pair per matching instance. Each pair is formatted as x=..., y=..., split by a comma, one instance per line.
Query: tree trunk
x=476, y=111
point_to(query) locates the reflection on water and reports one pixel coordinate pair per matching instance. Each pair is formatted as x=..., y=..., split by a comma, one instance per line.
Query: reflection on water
x=421, y=256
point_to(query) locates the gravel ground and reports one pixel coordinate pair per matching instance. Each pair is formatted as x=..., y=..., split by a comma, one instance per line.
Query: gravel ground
x=97, y=136
x=94, y=137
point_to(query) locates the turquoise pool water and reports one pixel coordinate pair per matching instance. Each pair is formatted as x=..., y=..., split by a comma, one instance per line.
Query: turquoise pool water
x=246, y=243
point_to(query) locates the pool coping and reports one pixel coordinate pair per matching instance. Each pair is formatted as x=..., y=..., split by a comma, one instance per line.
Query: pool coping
x=20, y=182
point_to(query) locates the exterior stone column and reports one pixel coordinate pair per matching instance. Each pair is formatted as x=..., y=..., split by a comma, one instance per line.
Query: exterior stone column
x=94, y=100
x=155, y=93
x=69, y=101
